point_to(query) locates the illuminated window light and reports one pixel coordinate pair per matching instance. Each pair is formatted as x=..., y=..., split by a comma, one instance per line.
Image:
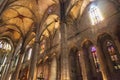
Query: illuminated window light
x=4, y=61
x=10, y=77
x=0, y=45
x=95, y=15
x=22, y=58
x=29, y=55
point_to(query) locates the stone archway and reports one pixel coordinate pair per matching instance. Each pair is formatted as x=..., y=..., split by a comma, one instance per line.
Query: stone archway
x=91, y=61
x=74, y=63
x=110, y=56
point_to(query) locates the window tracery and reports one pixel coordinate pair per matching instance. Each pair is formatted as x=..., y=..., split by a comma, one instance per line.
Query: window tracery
x=113, y=55
x=95, y=15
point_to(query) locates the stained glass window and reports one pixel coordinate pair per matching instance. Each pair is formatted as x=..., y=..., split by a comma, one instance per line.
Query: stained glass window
x=113, y=55
x=96, y=61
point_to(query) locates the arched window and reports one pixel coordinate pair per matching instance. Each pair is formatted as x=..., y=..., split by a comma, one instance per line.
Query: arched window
x=96, y=61
x=5, y=47
x=95, y=15
x=5, y=50
x=113, y=55
x=29, y=54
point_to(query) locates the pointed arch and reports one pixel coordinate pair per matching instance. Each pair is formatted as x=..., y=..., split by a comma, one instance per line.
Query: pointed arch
x=91, y=60
x=74, y=62
x=110, y=54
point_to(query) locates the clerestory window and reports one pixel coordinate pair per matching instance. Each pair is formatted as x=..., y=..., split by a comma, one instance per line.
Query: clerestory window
x=95, y=15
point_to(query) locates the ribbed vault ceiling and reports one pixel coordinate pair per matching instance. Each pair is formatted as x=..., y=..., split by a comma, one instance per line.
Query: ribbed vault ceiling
x=18, y=20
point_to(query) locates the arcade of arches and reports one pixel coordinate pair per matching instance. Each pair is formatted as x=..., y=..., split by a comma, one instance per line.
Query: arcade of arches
x=59, y=39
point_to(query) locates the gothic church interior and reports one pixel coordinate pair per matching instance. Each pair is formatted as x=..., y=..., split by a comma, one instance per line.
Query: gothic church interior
x=59, y=39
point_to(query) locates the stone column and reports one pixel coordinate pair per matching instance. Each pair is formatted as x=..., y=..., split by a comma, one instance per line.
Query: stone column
x=7, y=74
x=103, y=65
x=58, y=68
x=86, y=65
x=33, y=68
x=5, y=67
x=4, y=71
x=18, y=67
x=82, y=63
x=53, y=70
x=35, y=51
x=47, y=70
x=64, y=54
x=63, y=43
x=17, y=70
x=10, y=65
